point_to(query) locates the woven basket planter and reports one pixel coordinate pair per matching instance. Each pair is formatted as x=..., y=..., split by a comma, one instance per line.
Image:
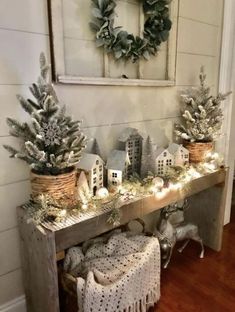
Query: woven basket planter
x=61, y=187
x=198, y=150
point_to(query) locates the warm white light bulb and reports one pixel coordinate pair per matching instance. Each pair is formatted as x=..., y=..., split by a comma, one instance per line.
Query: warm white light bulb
x=62, y=213
x=84, y=206
x=176, y=186
x=161, y=194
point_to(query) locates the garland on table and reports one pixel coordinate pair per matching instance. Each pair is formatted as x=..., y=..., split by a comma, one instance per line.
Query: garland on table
x=45, y=208
x=124, y=45
x=175, y=174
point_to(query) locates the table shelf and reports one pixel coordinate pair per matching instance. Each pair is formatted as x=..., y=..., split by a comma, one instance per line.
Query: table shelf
x=41, y=243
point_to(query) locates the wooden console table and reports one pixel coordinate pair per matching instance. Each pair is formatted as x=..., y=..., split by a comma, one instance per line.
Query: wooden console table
x=41, y=244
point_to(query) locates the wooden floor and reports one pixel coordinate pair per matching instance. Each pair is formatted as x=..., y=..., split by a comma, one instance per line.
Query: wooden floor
x=191, y=284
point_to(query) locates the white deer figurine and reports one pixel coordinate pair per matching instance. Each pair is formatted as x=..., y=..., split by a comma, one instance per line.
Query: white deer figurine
x=169, y=234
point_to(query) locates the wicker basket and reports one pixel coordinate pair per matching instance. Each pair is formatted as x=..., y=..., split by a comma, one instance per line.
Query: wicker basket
x=68, y=282
x=61, y=187
x=68, y=293
x=198, y=150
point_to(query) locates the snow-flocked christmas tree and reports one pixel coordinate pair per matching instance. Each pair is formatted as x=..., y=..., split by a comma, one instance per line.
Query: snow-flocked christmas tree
x=202, y=114
x=95, y=149
x=51, y=142
x=147, y=161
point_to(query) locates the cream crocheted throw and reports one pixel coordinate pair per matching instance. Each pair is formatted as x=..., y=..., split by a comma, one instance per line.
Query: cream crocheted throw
x=117, y=273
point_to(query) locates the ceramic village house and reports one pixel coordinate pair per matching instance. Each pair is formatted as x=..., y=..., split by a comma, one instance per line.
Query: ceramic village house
x=117, y=165
x=93, y=166
x=131, y=140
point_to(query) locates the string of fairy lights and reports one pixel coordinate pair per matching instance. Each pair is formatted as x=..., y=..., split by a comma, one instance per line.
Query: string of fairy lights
x=46, y=209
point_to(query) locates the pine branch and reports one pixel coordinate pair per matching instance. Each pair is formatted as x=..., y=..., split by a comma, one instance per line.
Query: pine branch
x=29, y=160
x=34, y=152
x=16, y=128
x=36, y=127
x=25, y=104
x=35, y=91
x=33, y=104
x=61, y=113
x=35, y=115
x=42, y=60
x=28, y=133
x=11, y=150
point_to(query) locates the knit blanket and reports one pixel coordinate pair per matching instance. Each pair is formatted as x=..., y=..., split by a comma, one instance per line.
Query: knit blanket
x=118, y=273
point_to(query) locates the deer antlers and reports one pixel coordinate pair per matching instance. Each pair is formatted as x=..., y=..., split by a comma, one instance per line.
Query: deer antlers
x=176, y=206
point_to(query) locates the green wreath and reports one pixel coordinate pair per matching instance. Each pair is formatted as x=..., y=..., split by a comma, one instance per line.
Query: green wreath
x=126, y=46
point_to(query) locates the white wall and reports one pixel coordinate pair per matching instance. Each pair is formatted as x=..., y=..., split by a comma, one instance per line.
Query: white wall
x=104, y=110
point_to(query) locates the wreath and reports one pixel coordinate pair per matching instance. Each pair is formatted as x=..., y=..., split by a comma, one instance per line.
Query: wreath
x=124, y=45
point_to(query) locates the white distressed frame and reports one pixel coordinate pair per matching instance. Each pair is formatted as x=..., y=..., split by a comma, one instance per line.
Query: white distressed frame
x=227, y=83
x=58, y=55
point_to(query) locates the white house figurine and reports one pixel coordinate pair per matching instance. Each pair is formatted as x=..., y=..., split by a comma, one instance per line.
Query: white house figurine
x=163, y=159
x=180, y=153
x=93, y=166
x=132, y=142
x=84, y=193
x=174, y=155
x=117, y=165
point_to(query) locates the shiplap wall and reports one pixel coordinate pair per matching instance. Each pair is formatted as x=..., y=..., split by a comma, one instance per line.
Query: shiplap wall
x=105, y=110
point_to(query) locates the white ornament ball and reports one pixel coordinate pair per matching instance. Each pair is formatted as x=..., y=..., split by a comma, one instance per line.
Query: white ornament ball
x=158, y=182
x=62, y=213
x=102, y=193
x=84, y=206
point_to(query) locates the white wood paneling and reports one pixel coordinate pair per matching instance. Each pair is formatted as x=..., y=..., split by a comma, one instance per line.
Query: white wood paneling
x=11, y=196
x=19, y=56
x=197, y=38
x=16, y=305
x=11, y=169
x=155, y=70
x=128, y=16
x=10, y=106
x=83, y=58
x=118, y=68
x=107, y=105
x=161, y=131
x=75, y=14
x=115, y=81
x=188, y=68
x=10, y=251
x=11, y=286
x=24, y=15
x=208, y=11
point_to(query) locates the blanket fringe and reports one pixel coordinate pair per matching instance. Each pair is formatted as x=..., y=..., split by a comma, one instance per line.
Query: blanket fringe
x=130, y=268
x=145, y=303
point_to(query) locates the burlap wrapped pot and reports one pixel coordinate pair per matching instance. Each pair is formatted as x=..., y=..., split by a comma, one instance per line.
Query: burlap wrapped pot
x=198, y=151
x=60, y=187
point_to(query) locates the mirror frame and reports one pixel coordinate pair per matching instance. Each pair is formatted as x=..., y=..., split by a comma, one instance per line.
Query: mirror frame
x=56, y=32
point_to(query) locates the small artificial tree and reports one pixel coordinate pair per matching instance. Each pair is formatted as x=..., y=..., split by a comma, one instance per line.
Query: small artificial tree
x=95, y=149
x=51, y=142
x=202, y=114
x=147, y=161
